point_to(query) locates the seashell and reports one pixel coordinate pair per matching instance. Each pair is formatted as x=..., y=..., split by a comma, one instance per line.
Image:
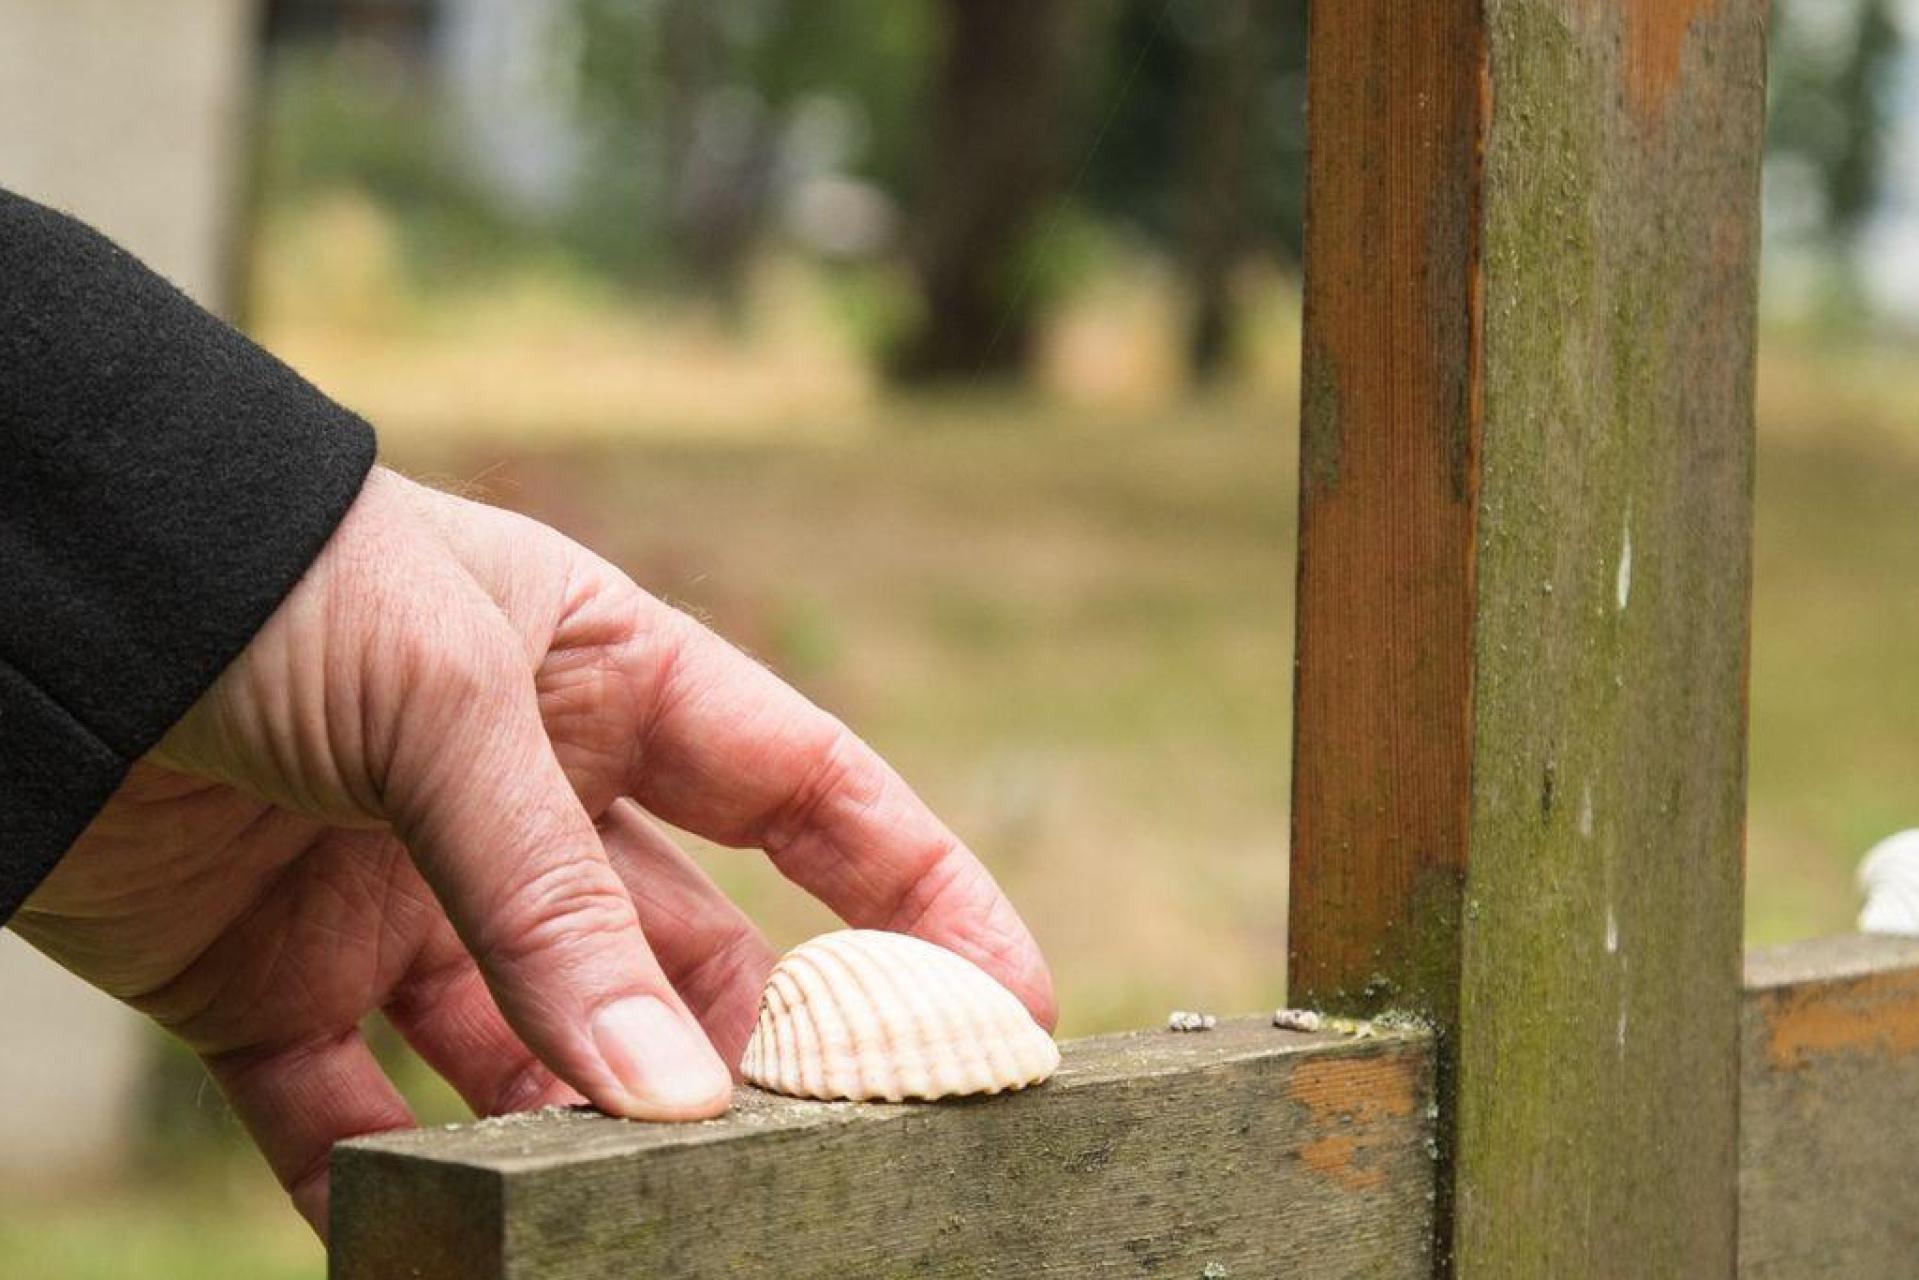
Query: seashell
x=863, y=1015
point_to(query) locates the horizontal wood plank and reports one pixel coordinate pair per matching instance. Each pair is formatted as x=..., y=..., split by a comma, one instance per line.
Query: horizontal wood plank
x=1242, y=1151
x=1829, y=1111
x=1261, y=1151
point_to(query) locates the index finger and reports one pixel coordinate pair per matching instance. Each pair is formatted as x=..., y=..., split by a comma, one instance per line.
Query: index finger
x=730, y=752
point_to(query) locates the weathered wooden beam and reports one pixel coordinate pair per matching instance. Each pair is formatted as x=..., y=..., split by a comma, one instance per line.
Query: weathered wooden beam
x=1243, y=1151
x=1828, y=1142
x=1526, y=469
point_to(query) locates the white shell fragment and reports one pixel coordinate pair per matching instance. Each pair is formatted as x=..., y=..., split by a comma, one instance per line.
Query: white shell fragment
x=1296, y=1019
x=865, y=1015
x=1889, y=877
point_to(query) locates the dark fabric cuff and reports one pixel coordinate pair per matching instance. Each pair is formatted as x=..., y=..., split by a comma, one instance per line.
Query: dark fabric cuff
x=163, y=484
x=54, y=776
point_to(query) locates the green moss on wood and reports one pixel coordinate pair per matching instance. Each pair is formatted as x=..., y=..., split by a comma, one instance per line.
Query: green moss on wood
x=1319, y=421
x=1599, y=999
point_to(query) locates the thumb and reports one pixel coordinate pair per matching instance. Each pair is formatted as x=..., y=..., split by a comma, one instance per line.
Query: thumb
x=496, y=830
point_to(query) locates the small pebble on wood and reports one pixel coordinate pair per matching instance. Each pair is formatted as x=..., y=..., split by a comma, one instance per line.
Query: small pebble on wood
x=1181, y=1020
x=1296, y=1019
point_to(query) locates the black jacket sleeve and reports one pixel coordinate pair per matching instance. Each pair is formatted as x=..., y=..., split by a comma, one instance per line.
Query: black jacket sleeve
x=163, y=484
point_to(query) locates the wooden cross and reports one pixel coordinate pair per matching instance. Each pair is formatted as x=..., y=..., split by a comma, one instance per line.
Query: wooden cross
x=1519, y=792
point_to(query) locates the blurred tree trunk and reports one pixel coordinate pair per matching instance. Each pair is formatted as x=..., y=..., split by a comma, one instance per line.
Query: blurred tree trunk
x=1861, y=94
x=1831, y=107
x=720, y=153
x=993, y=166
x=1222, y=77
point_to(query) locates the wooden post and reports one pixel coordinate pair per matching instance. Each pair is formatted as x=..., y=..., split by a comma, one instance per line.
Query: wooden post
x=1523, y=597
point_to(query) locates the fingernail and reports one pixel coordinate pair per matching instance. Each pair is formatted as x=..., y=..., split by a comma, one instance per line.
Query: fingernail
x=661, y=1059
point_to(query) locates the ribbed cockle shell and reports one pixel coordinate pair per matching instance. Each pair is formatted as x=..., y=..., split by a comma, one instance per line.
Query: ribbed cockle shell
x=864, y=1015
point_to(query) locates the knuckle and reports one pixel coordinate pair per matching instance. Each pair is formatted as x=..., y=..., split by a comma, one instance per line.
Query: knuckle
x=662, y=638
x=441, y=679
x=944, y=872
x=839, y=773
x=462, y=660
x=558, y=906
x=665, y=637
x=735, y=958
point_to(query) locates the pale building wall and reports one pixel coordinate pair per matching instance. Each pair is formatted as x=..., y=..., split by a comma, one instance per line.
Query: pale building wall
x=130, y=114
x=70, y=1062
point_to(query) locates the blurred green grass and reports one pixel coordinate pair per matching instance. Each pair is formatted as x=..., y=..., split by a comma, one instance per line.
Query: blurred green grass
x=211, y=1218
x=1835, y=674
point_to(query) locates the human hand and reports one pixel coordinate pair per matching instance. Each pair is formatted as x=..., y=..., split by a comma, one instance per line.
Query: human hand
x=420, y=790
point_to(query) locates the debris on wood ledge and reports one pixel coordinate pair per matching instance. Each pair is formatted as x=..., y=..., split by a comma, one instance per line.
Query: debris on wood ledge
x=1311, y=1020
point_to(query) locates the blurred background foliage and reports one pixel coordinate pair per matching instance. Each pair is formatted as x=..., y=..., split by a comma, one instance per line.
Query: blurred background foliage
x=943, y=354
x=973, y=159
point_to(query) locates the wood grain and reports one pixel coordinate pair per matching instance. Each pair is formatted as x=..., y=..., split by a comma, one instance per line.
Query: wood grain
x=1382, y=702
x=1828, y=1145
x=1252, y=1151
x=1524, y=593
